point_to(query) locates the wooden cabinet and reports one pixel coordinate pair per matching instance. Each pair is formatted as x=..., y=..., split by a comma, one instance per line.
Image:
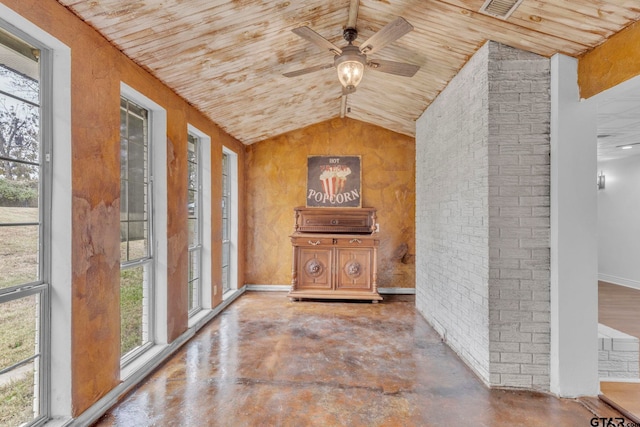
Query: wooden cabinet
x=336, y=265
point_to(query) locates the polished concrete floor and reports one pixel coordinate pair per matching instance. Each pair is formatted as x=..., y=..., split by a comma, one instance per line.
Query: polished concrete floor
x=266, y=361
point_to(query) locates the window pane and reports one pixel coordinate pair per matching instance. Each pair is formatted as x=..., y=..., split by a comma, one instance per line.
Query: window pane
x=225, y=185
x=13, y=215
x=124, y=241
x=123, y=119
x=18, y=254
x=225, y=209
x=194, y=265
x=193, y=232
x=192, y=200
x=137, y=201
x=137, y=161
x=18, y=330
x=20, y=129
x=18, y=184
x=20, y=76
x=136, y=128
x=225, y=229
x=124, y=159
x=225, y=254
x=18, y=342
x=17, y=396
x=124, y=201
x=193, y=294
x=138, y=242
x=225, y=277
x=193, y=176
x=133, y=283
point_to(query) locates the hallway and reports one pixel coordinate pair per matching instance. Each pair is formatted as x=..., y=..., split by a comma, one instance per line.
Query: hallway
x=271, y=362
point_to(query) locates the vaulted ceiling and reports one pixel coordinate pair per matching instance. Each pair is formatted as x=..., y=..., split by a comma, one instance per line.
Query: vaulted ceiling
x=227, y=57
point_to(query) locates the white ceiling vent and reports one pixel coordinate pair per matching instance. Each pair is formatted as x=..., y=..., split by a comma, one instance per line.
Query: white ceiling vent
x=500, y=8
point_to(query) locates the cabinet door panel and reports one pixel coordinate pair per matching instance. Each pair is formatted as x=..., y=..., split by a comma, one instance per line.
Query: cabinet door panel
x=354, y=269
x=314, y=268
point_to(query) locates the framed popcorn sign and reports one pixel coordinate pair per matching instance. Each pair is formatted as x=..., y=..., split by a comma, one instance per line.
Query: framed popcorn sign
x=334, y=181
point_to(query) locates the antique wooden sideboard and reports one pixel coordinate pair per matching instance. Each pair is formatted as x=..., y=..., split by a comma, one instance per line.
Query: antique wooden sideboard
x=334, y=254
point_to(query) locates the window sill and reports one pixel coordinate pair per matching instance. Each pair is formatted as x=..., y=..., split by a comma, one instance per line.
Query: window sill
x=138, y=365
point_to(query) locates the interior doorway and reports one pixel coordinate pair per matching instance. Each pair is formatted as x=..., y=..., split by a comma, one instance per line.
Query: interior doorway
x=617, y=179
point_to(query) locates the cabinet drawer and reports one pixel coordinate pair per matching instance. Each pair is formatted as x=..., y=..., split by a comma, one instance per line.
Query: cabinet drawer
x=359, y=242
x=327, y=220
x=311, y=241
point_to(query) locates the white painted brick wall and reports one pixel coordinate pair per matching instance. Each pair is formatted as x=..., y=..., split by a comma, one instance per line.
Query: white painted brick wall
x=482, y=216
x=452, y=215
x=618, y=354
x=519, y=215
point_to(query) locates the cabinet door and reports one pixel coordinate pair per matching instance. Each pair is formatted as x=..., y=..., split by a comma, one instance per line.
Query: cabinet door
x=353, y=268
x=314, y=268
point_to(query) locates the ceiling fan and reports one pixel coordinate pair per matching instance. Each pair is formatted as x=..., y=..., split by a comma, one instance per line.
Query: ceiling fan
x=350, y=61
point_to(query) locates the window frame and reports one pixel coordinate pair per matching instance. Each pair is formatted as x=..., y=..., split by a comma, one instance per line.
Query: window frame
x=41, y=287
x=147, y=262
x=157, y=142
x=232, y=212
x=198, y=247
x=206, y=283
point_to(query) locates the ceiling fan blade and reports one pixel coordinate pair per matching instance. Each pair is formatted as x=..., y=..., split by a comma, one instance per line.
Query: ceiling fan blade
x=307, y=70
x=315, y=38
x=392, y=67
x=353, y=14
x=389, y=33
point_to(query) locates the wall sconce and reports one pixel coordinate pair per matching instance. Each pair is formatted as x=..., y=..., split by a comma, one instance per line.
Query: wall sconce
x=601, y=181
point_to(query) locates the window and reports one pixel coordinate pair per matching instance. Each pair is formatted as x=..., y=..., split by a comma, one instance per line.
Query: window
x=229, y=220
x=136, y=255
x=226, y=223
x=194, y=209
x=25, y=181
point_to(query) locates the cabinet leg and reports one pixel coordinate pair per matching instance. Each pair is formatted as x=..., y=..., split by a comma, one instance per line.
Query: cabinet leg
x=375, y=301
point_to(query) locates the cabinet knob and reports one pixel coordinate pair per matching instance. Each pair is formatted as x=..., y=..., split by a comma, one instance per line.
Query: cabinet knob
x=358, y=241
x=334, y=222
x=316, y=243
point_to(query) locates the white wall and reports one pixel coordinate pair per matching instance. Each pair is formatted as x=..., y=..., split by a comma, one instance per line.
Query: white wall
x=619, y=223
x=574, y=292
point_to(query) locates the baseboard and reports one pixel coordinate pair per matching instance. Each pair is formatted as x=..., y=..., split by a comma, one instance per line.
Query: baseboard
x=268, y=288
x=629, y=283
x=163, y=352
x=286, y=288
x=397, y=291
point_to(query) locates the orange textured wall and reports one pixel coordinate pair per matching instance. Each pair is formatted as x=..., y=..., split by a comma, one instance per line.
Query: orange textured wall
x=611, y=63
x=97, y=70
x=276, y=183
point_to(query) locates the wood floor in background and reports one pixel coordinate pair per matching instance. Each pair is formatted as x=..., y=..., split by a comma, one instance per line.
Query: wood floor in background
x=624, y=396
x=619, y=308
x=267, y=361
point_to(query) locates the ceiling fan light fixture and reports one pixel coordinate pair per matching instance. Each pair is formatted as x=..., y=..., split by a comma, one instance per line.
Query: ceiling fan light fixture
x=350, y=66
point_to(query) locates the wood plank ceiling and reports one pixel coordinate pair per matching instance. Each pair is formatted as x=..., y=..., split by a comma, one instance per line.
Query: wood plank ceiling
x=227, y=57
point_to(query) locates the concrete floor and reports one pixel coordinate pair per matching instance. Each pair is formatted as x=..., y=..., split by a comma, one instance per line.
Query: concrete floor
x=266, y=361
